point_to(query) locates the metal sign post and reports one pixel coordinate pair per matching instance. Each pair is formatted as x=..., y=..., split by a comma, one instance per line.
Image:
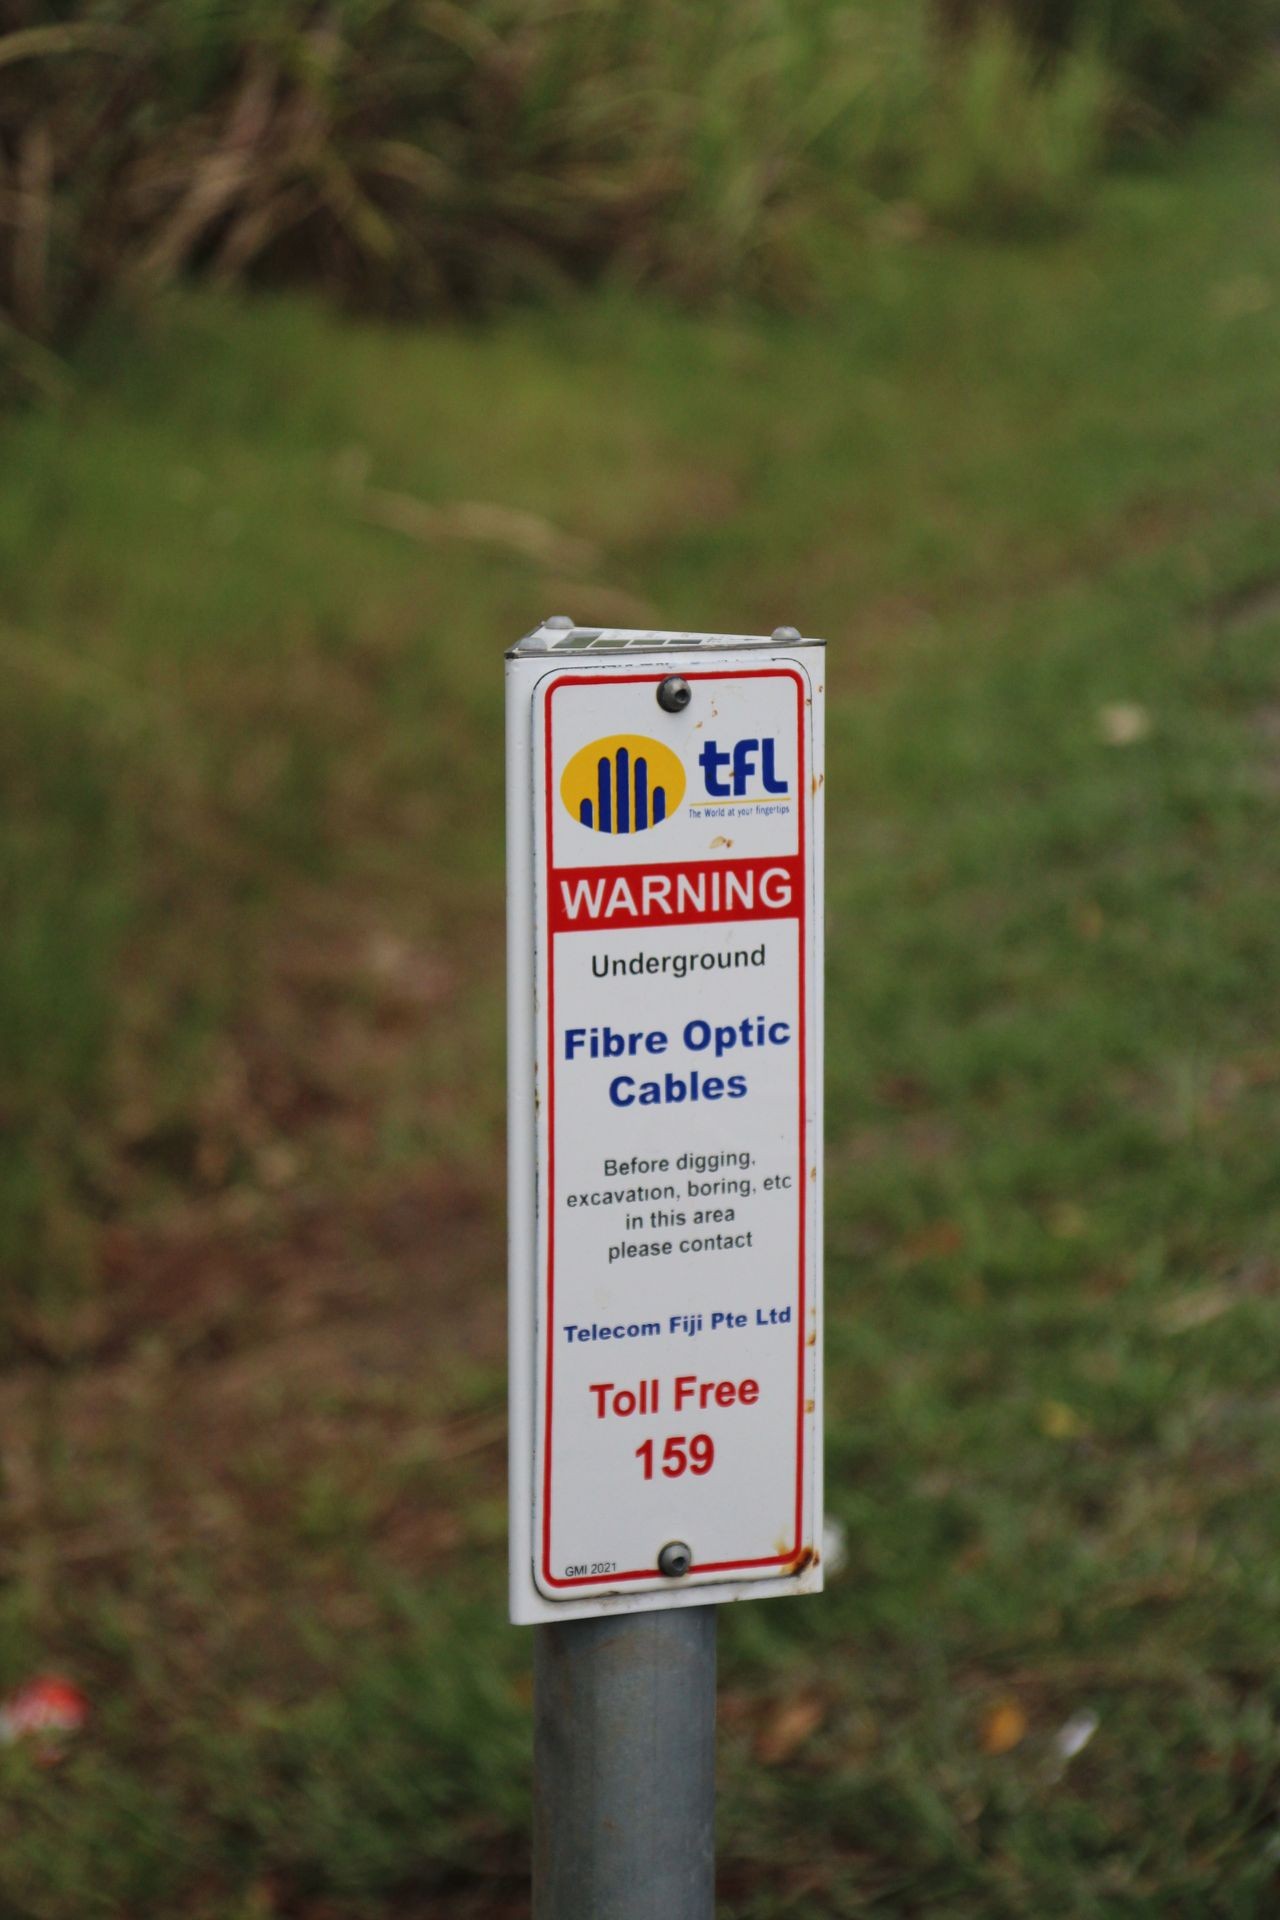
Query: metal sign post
x=624, y=1767
x=664, y=949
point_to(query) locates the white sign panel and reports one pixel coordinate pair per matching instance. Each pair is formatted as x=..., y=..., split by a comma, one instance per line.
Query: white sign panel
x=665, y=818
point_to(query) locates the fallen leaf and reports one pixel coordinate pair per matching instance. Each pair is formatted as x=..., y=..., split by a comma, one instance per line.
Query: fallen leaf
x=1059, y=1421
x=1067, y=1221
x=1233, y=299
x=787, y=1728
x=46, y=1711
x=277, y=1163
x=933, y=1242
x=1003, y=1727
x=1196, y=1308
x=1074, y=1735
x=1124, y=723
x=903, y=1090
x=835, y=1545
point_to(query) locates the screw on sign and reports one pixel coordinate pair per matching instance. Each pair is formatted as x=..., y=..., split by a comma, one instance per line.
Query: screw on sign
x=664, y=1020
x=675, y=1559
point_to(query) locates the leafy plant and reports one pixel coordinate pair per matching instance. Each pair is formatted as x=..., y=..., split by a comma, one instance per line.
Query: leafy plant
x=418, y=154
x=1172, y=59
x=1014, y=146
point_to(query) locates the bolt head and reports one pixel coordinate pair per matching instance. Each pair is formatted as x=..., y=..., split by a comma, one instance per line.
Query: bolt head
x=675, y=1559
x=674, y=694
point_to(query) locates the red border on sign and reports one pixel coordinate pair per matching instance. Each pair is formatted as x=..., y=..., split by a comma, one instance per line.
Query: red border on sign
x=801, y=918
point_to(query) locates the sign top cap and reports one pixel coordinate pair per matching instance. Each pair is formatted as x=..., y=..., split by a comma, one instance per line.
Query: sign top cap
x=558, y=635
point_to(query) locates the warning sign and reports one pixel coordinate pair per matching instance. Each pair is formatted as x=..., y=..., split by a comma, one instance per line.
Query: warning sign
x=666, y=996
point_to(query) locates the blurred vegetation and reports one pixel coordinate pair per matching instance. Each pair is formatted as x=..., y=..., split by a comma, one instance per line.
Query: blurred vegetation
x=255, y=566
x=1171, y=59
x=414, y=154
x=255, y=559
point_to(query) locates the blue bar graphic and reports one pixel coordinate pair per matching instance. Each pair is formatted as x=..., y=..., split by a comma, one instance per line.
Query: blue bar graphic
x=623, y=815
x=624, y=800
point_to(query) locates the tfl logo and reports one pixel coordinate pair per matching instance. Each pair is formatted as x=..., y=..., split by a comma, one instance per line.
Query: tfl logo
x=623, y=784
x=740, y=761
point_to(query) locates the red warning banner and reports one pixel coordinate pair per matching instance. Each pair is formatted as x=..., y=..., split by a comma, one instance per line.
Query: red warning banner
x=586, y=899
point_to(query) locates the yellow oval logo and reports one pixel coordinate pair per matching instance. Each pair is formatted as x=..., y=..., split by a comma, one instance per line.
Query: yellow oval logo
x=624, y=784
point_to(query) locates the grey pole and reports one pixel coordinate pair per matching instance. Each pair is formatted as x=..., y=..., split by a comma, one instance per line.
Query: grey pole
x=624, y=1767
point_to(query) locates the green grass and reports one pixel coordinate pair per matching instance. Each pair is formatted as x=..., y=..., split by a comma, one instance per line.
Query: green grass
x=250, y=1022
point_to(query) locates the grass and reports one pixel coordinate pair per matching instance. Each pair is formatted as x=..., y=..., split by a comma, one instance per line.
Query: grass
x=250, y=1005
